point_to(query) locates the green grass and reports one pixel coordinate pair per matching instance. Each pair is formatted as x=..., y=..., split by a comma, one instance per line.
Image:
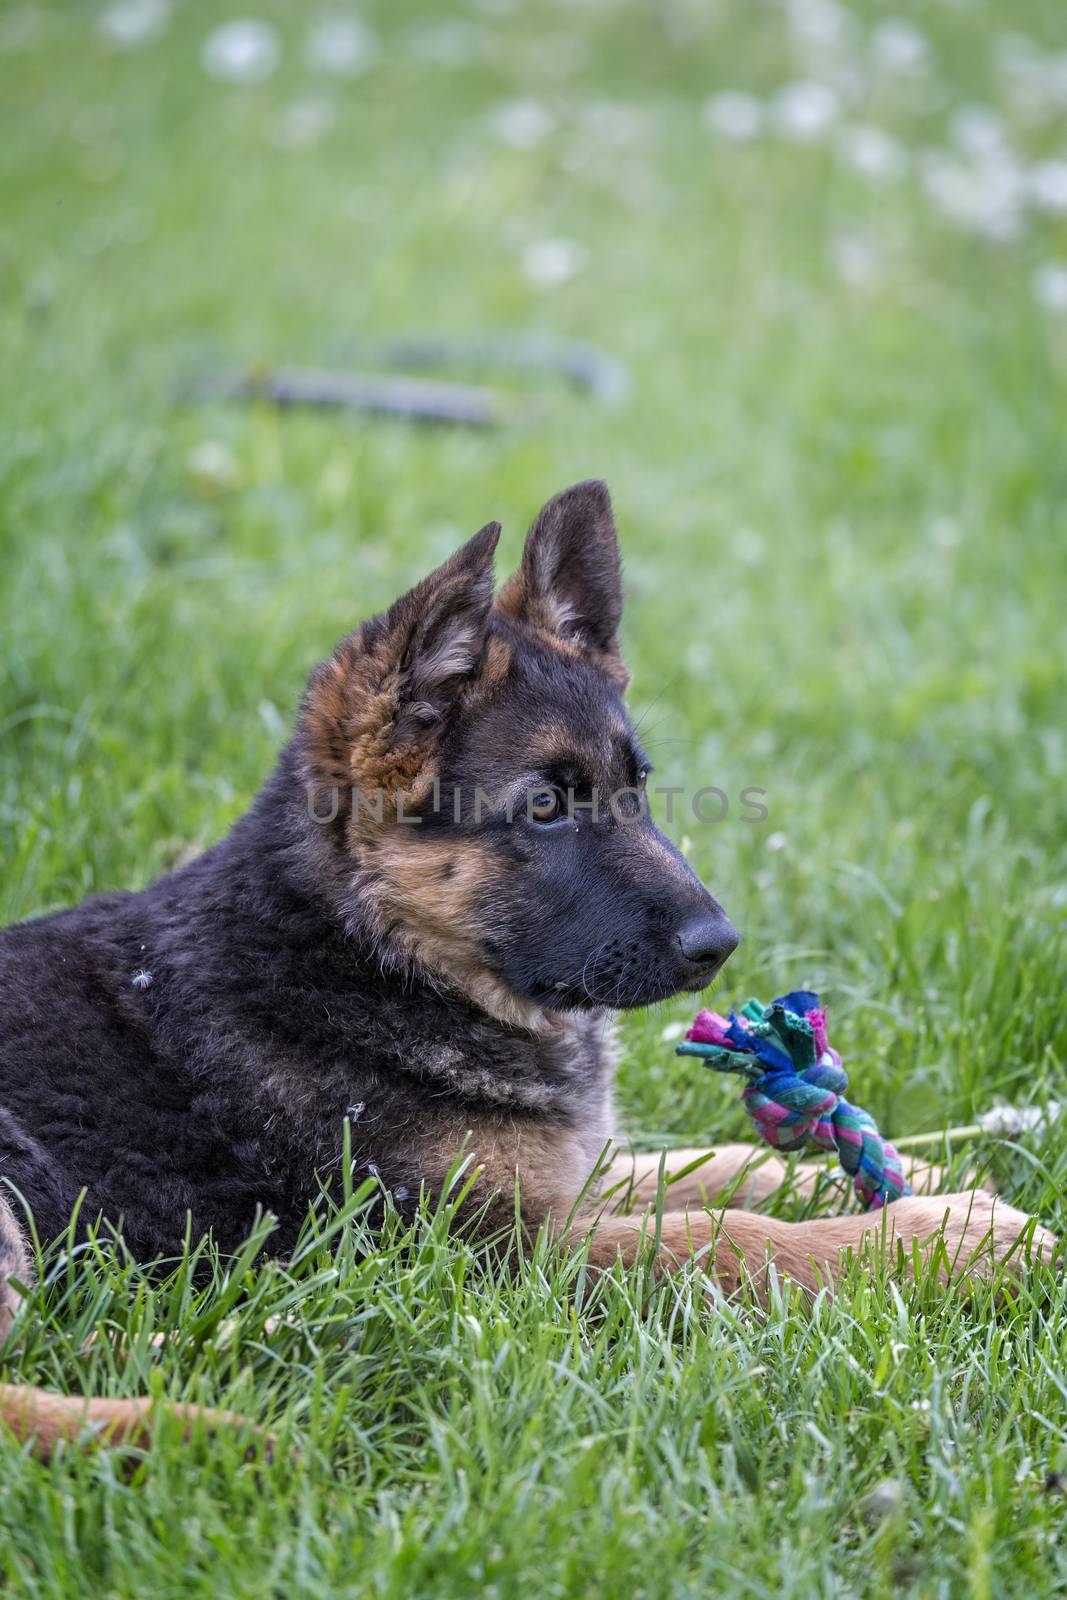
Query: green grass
x=840, y=482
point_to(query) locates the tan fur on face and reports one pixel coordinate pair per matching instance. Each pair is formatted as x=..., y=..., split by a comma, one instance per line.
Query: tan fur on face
x=496, y=664
x=426, y=893
x=556, y=746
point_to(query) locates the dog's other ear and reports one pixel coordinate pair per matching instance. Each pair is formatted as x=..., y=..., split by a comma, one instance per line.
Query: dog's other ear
x=569, y=582
x=435, y=633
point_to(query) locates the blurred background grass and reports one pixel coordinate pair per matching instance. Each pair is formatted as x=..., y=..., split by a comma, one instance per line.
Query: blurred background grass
x=829, y=243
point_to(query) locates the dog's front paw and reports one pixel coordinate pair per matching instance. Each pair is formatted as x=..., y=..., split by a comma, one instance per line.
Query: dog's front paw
x=980, y=1231
x=957, y=1235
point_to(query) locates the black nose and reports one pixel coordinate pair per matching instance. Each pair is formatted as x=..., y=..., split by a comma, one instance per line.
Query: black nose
x=707, y=940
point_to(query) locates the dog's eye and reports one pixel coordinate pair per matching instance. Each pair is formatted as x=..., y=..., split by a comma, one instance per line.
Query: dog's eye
x=544, y=805
x=642, y=776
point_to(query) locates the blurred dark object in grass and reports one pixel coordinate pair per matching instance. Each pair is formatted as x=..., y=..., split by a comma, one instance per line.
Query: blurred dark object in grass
x=415, y=399
x=420, y=399
x=583, y=365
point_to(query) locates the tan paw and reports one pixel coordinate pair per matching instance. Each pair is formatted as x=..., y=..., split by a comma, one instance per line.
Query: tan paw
x=980, y=1230
x=971, y=1233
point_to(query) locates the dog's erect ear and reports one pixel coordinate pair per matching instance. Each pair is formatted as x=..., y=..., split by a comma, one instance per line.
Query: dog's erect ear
x=371, y=709
x=569, y=582
x=436, y=632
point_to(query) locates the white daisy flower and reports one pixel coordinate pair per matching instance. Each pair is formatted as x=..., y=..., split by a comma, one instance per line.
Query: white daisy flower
x=549, y=262
x=804, y=112
x=899, y=46
x=522, y=124
x=874, y=154
x=733, y=115
x=1047, y=186
x=304, y=122
x=978, y=132
x=246, y=51
x=128, y=23
x=342, y=45
x=1049, y=284
x=985, y=198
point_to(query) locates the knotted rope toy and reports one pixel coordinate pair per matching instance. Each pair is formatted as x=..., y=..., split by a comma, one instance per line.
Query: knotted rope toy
x=796, y=1087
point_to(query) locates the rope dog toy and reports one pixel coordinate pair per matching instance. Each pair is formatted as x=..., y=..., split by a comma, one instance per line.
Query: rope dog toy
x=796, y=1087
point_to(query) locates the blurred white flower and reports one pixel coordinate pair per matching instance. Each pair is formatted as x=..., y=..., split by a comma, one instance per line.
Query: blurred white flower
x=551, y=261
x=945, y=532
x=1008, y=1122
x=805, y=111
x=340, y=44
x=449, y=42
x=886, y=1499
x=522, y=124
x=673, y=1030
x=984, y=197
x=246, y=51
x=213, y=467
x=856, y=259
x=128, y=23
x=1047, y=185
x=733, y=114
x=749, y=547
x=819, y=22
x=898, y=45
x=615, y=123
x=304, y=122
x=1037, y=81
x=1050, y=286
x=979, y=132
x=776, y=841
x=873, y=153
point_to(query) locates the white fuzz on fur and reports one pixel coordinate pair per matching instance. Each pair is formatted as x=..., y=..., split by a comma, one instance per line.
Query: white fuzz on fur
x=455, y=653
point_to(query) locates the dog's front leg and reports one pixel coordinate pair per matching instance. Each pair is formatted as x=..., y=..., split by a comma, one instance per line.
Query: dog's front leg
x=730, y=1246
x=970, y=1233
x=735, y=1175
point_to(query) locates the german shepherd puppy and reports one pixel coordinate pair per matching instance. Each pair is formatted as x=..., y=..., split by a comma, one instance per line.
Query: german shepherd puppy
x=422, y=924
